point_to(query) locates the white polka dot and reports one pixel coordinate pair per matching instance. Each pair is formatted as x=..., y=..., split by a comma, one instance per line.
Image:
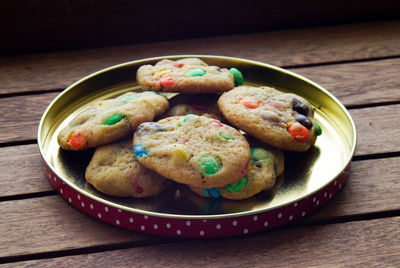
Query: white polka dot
x=295, y=204
x=245, y=231
x=335, y=183
x=218, y=226
x=280, y=215
x=70, y=200
x=201, y=233
x=91, y=206
x=55, y=179
x=303, y=213
x=79, y=197
x=290, y=217
x=130, y=220
x=317, y=202
x=63, y=183
x=255, y=218
x=314, y=199
x=168, y=225
x=61, y=191
x=119, y=210
x=330, y=196
x=99, y=215
x=106, y=209
x=49, y=175
x=178, y=232
x=234, y=223
x=117, y=222
x=155, y=226
x=265, y=223
x=142, y=227
x=188, y=223
x=340, y=186
x=146, y=217
x=325, y=194
x=82, y=204
x=204, y=220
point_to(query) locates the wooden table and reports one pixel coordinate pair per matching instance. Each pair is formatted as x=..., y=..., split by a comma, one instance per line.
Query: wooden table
x=360, y=226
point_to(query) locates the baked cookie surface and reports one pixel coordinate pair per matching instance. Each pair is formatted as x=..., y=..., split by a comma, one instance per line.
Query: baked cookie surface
x=266, y=164
x=283, y=120
x=190, y=75
x=108, y=120
x=193, y=150
x=114, y=170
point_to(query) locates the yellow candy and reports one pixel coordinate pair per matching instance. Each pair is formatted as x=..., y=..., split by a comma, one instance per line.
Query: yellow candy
x=162, y=71
x=179, y=155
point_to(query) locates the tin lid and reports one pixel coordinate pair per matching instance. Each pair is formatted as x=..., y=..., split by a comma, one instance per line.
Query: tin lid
x=305, y=173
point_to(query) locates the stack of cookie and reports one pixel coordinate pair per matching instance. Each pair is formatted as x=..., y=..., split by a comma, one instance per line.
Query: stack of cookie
x=198, y=140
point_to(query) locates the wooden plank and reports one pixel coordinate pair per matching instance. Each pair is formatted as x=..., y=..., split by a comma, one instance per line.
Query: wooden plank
x=46, y=224
x=21, y=171
x=376, y=129
x=371, y=123
x=282, y=48
x=50, y=224
x=358, y=83
x=22, y=115
x=354, y=244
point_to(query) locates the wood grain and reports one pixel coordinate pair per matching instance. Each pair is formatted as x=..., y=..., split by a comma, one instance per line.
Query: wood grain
x=46, y=224
x=22, y=123
x=353, y=244
x=358, y=83
x=50, y=224
x=376, y=131
x=317, y=45
x=21, y=171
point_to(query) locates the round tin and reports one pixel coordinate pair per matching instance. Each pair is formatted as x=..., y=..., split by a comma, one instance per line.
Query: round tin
x=310, y=179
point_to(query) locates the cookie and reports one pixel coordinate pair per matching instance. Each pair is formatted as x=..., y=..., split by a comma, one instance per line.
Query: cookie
x=114, y=170
x=199, y=104
x=193, y=150
x=283, y=120
x=190, y=75
x=106, y=121
x=266, y=164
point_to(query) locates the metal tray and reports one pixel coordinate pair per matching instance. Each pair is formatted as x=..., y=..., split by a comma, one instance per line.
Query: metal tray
x=309, y=180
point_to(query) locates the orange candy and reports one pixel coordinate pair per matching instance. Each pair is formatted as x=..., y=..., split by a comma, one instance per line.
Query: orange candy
x=78, y=141
x=249, y=102
x=167, y=82
x=299, y=132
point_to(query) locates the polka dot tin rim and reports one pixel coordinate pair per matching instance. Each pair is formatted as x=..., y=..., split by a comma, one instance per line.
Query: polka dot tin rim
x=319, y=187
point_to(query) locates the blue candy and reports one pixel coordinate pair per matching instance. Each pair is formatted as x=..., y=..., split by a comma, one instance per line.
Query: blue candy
x=212, y=192
x=139, y=151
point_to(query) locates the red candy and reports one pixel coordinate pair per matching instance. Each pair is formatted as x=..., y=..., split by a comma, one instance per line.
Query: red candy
x=180, y=65
x=299, y=132
x=216, y=123
x=78, y=141
x=167, y=82
x=249, y=102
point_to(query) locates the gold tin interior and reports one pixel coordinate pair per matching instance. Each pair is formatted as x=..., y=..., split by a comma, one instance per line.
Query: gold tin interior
x=305, y=173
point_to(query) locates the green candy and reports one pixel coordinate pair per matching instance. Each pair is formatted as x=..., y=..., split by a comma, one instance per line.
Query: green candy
x=187, y=118
x=238, y=186
x=318, y=129
x=225, y=136
x=196, y=72
x=209, y=164
x=112, y=120
x=259, y=154
x=237, y=76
